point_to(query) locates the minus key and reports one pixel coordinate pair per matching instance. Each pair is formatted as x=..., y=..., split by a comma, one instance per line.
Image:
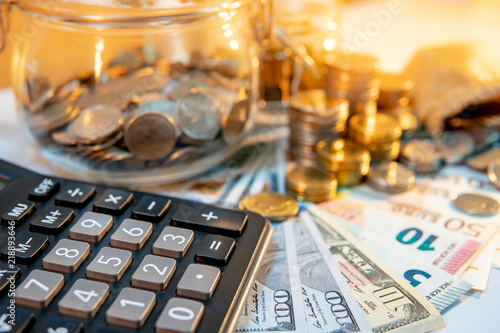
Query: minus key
x=151, y=208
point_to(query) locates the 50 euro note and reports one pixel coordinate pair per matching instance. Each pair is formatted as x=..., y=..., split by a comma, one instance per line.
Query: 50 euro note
x=274, y=303
x=389, y=302
x=328, y=302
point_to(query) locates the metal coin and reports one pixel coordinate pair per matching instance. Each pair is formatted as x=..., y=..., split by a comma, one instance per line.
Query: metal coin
x=391, y=178
x=476, y=204
x=455, y=146
x=394, y=90
x=273, y=206
x=494, y=172
x=199, y=116
x=422, y=156
x=237, y=122
x=482, y=161
x=52, y=116
x=151, y=136
x=96, y=124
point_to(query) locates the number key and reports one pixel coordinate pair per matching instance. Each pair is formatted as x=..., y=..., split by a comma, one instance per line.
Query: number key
x=66, y=256
x=131, y=308
x=180, y=315
x=109, y=264
x=84, y=299
x=173, y=242
x=132, y=234
x=154, y=273
x=91, y=227
x=39, y=288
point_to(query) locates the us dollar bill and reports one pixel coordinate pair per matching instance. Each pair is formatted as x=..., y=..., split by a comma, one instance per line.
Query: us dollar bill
x=329, y=304
x=274, y=303
x=389, y=303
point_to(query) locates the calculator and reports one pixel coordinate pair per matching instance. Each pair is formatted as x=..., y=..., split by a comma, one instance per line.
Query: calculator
x=82, y=257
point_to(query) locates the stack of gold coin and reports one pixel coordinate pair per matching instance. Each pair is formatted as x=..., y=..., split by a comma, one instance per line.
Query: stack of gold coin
x=314, y=117
x=379, y=133
x=310, y=184
x=353, y=76
x=344, y=158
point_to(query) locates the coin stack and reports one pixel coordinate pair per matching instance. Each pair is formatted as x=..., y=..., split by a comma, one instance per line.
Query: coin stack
x=310, y=184
x=353, y=76
x=391, y=177
x=314, y=117
x=395, y=101
x=379, y=133
x=344, y=158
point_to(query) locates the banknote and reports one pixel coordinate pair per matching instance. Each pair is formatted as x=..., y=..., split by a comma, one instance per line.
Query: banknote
x=274, y=303
x=389, y=302
x=328, y=302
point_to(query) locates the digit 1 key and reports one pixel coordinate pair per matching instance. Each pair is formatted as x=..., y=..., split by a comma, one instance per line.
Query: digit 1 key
x=131, y=308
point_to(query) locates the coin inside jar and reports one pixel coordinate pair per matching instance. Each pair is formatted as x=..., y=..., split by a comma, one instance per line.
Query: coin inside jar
x=96, y=124
x=236, y=122
x=199, y=116
x=476, y=204
x=273, y=206
x=494, y=172
x=151, y=135
x=391, y=177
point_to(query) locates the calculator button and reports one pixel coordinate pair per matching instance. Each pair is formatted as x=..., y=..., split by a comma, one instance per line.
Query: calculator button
x=173, y=242
x=18, y=212
x=215, y=250
x=39, y=288
x=23, y=321
x=53, y=220
x=28, y=247
x=44, y=190
x=180, y=315
x=198, y=281
x=154, y=273
x=132, y=234
x=75, y=195
x=151, y=208
x=59, y=325
x=210, y=219
x=84, y=299
x=113, y=202
x=7, y=274
x=131, y=308
x=109, y=264
x=91, y=227
x=66, y=256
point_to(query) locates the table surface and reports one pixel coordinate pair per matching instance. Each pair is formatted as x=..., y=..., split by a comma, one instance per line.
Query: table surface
x=444, y=23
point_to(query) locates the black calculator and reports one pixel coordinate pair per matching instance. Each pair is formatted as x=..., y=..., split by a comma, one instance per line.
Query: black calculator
x=81, y=257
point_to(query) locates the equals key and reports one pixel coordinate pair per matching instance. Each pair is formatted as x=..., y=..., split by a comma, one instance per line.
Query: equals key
x=151, y=208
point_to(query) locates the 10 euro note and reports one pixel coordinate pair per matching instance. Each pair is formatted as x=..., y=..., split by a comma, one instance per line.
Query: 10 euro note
x=274, y=303
x=328, y=302
x=389, y=303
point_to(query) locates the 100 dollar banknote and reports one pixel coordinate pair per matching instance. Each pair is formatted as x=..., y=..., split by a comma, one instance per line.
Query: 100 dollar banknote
x=389, y=303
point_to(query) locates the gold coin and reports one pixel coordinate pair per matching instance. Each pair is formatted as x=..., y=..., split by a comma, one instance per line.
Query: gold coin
x=374, y=127
x=394, y=90
x=273, y=206
x=342, y=152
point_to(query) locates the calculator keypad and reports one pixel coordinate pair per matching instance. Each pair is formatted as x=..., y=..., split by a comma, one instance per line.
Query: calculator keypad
x=84, y=299
x=39, y=288
x=131, y=308
x=66, y=256
x=132, y=234
x=109, y=264
x=154, y=273
x=180, y=316
x=91, y=227
x=173, y=242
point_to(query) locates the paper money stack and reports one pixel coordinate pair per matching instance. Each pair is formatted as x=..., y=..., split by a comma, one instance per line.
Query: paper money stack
x=344, y=158
x=378, y=133
x=314, y=117
x=353, y=76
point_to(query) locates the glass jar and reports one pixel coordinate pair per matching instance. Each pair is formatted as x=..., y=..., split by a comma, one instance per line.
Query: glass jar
x=136, y=91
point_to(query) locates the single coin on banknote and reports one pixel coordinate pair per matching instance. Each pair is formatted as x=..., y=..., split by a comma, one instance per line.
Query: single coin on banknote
x=391, y=177
x=273, y=206
x=476, y=204
x=482, y=161
x=494, y=172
